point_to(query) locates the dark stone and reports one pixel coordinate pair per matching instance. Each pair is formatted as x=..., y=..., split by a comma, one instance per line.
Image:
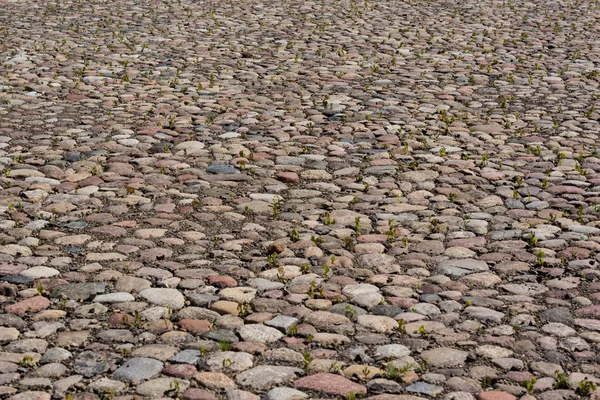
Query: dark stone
x=91, y=363
x=221, y=335
x=387, y=310
x=558, y=314
x=79, y=291
x=17, y=280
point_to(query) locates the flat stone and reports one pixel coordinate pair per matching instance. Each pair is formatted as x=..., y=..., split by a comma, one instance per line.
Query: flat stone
x=164, y=297
x=40, y=272
x=330, y=384
x=495, y=395
x=230, y=361
x=30, y=305
x=424, y=388
x=160, y=386
x=259, y=333
x=485, y=314
x=119, y=297
x=138, y=369
x=79, y=291
x=282, y=322
x=460, y=267
x=222, y=169
x=264, y=377
x=284, y=393
x=443, y=357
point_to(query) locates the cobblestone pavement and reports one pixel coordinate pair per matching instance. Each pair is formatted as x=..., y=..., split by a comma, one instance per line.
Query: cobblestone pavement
x=330, y=199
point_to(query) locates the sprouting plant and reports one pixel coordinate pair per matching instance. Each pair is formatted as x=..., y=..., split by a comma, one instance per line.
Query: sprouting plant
x=540, y=258
x=562, y=382
x=518, y=180
x=40, y=290
x=532, y=240
x=294, y=235
x=272, y=260
x=311, y=289
x=486, y=382
x=544, y=183
x=316, y=240
x=392, y=232
x=327, y=220
x=402, y=326
x=586, y=387
x=276, y=207
x=434, y=225
x=422, y=367
x=349, y=311
x=422, y=331
x=529, y=384
x=226, y=363
x=28, y=362
x=224, y=345
x=280, y=273
x=357, y=225
x=443, y=152
x=244, y=310
x=405, y=241
x=109, y=394
x=334, y=367
x=536, y=151
x=580, y=214
x=349, y=243
x=366, y=371
x=353, y=396
x=307, y=359
x=326, y=271
x=452, y=197
x=293, y=330
x=176, y=387
x=484, y=157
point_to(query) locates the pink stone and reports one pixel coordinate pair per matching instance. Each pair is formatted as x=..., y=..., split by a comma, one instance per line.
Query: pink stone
x=180, y=370
x=372, y=238
x=331, y=384
x=519, y=376
x=593, y=311
x=197, y=394
x=224, y=281
x=195, y=325
x=288, y=177
x=468, y=243
x=31, y=304
x=11, y=269
x=495, y=395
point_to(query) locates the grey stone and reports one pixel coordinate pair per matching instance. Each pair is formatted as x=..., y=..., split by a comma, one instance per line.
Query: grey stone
x=79, y=291
x=282, y=322
x=424, y=388
x=138, y=369
x=264, y=377
x=284, y=393
x=460, y=267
